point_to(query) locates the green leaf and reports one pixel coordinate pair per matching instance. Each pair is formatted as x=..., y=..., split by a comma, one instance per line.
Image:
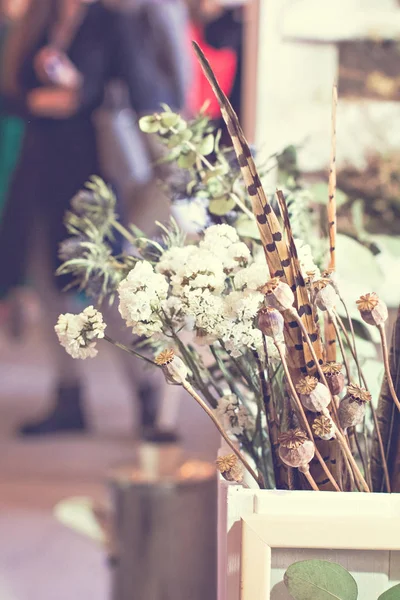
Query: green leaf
x=169, y=119
x=186, y=161
x=206, y=146
x=392, y=594
x=320, y=194
x=221, y=206
x=247, y=228
x=149, y=124
x=320, y=580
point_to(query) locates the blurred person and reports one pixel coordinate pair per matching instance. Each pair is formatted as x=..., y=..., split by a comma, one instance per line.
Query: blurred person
x=11, y=127
x=56, y=67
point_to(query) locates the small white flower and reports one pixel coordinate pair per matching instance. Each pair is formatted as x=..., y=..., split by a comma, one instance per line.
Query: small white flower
x=141, y=295
x=219, y=236
x=78, y=333
x=253, y=277
x=243, y=305
x=206, y=311
x=240, y=336
x=201, y=270
x=236, y=256
x=306, y=259
x=234, y=417
x=173, y=259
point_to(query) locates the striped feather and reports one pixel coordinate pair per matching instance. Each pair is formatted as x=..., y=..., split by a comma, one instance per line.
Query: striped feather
x=279, y=261
x=330, y=334
x=308, y=315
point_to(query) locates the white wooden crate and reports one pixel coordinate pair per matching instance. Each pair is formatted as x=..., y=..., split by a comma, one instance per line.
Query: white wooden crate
x=261, y=533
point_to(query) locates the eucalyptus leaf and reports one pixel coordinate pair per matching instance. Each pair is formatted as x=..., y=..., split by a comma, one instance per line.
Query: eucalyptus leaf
x=392, y=594
x=149, y=124
x=186, y=161
x=169, y=119
x=221, y=206
x=320, y=580
x=320, y=194
x=206, y=146
x=247, y=228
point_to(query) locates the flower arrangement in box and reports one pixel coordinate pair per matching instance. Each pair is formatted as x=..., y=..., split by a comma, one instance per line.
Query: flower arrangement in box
x=242, y=316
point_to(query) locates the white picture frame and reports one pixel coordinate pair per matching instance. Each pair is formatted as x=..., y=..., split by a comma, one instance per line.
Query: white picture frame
x=299, y=525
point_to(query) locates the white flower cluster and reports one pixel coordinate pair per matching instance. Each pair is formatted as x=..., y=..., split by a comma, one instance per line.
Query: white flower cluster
x=223, y=241
x=141, y=297
x=233, y=416
x=78, y=333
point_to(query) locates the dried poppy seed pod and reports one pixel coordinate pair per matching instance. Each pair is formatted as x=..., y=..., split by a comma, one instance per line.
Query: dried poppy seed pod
x=271, y=322
x=334, y=377
x=295, y=448
x=372, y=309
x=323, y=427
x=278, y=294
x=352, y=407
x=324, y=293
x=314, y=396
x=173, y=367
x=230, y=468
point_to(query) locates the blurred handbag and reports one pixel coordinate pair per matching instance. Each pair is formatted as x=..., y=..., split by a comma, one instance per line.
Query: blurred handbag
x=124, y=154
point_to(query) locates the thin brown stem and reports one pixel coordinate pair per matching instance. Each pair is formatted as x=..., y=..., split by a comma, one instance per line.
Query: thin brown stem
x=341, y=346
x=130, y=351
x=373, y=411
x=209, y=412
x=385, y=353
x=310, y=478
x=302, y=413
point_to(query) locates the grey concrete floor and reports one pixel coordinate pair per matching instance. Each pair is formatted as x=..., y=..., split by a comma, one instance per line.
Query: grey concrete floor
x=41, y=559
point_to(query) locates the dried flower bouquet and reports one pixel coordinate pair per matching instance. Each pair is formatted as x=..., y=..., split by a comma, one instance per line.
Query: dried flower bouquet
x=237, y=316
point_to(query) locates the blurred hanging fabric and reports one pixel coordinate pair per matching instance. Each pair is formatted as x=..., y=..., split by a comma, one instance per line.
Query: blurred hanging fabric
x=224, y=64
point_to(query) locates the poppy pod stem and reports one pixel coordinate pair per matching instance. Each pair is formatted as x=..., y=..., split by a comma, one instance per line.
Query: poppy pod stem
x=381, y=328
x=373, y=411
x=258, y=478
x=306, y=472
x=299, y=406
x=339, y=339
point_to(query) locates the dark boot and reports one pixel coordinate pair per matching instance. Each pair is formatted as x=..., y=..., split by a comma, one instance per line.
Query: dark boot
x=149, y=400
x=67, y=415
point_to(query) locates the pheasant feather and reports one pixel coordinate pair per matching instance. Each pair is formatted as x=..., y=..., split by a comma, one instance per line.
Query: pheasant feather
x=278, y=258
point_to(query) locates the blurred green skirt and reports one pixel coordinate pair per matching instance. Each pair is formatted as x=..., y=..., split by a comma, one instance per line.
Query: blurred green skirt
x=11, y=134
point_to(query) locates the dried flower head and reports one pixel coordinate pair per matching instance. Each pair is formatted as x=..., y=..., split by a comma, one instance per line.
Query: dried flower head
x=293, y=438
x=230, y=468
x=315, y=396
x=270, y=322
x=307, y=385
x=356, y=393
x=332, y=368
x=165, y=357
x=295, y=448
x=334, y=377
x=323, y=427
x=367, y=302
x=173, y=367
x=351, y=413
x=372, y=309
x=278, y=294
x=325, y=296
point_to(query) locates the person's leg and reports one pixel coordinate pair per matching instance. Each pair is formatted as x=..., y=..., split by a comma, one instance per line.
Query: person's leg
x=156, y=401
x=67, y=413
